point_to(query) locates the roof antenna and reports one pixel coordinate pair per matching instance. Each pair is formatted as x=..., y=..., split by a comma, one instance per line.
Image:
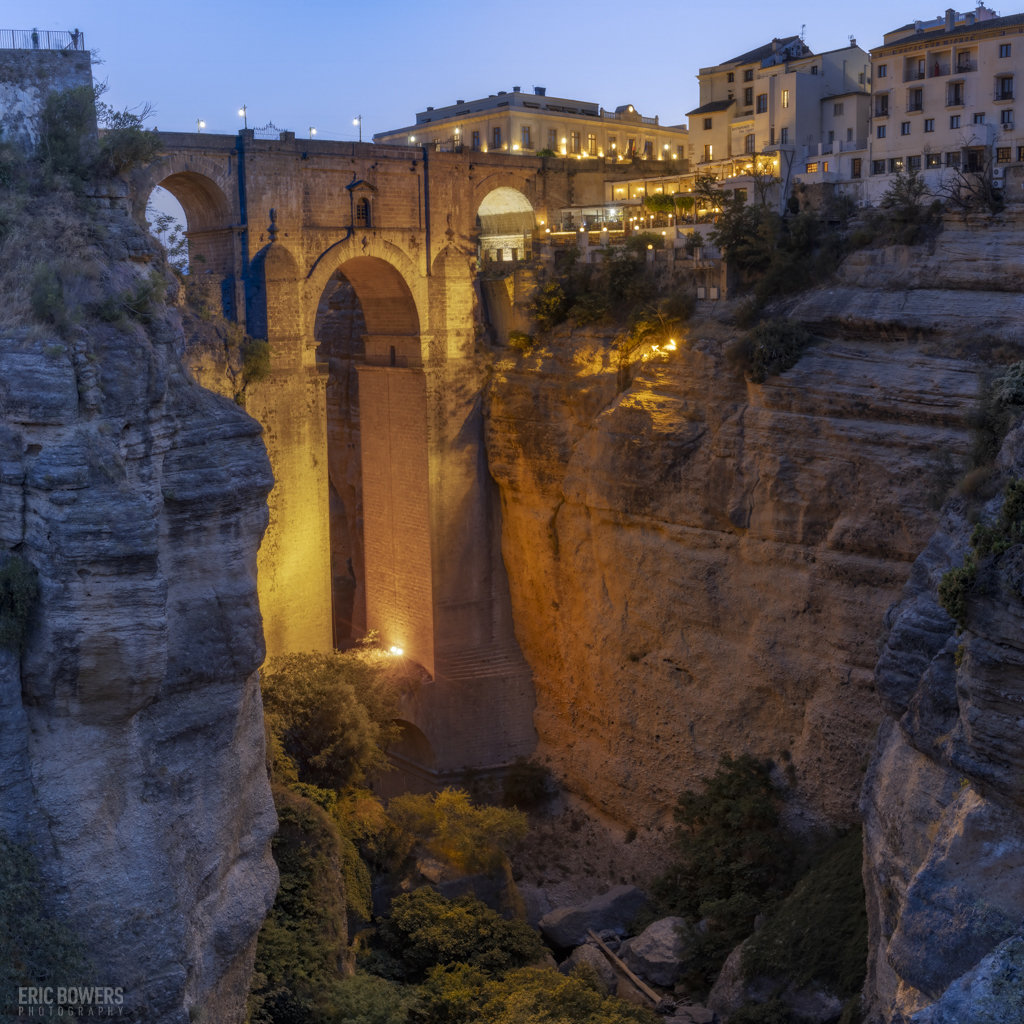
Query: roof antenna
x=803, y=29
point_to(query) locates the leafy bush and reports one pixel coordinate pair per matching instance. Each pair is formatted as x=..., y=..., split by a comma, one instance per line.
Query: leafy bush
x=527, y=784
x=550, y=307
x=470, y=838
x=694, y=241
x=589, y=308
x=460, y=995
x=644, y=240
x=19, y=590
x=38, y=948
x=426, y=930
x=67, y=125
x=138, y=303
x=772, y=347
x=255, y=361
x=819, y=933
x=125, y=142
x=47, y=297
x=546, y=153
x=521, y=341
x=369, y=999
x=330, y=716
x=302, y=946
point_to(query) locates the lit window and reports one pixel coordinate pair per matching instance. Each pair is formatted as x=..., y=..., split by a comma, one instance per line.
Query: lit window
x=592, y=145
x=1020, y=154
x=707, y=153
x=1003, y=155
x=855, y=165
x=812, y=168
x=785, y=97
x=933, y=160
x=896, y=165
x=824, y=166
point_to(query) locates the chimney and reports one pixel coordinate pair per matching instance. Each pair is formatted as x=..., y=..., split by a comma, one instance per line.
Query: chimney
x=515, y=88
x=917, y=26
x=950, y=19
x=540, y=90
x=459, y=103
x=775, y=45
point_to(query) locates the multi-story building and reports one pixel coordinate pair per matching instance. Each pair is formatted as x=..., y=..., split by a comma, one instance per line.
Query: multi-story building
x=944, y=96
x=518, y=122
x=784, y=108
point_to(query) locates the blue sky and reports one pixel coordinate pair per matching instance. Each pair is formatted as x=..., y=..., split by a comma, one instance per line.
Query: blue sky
x=313, y=63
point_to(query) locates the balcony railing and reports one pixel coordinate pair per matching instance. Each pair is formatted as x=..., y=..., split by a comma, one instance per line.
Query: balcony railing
x=915, y=76
x=35, y=39
x=915, y=107
x=955, y=99
x=1002, y=95
x=964, y=66
x=881, y=112
x=938, y=70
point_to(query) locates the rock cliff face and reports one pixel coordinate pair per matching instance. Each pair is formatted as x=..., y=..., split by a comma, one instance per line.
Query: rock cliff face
x=944, y=834
x=700, y=565
x=131, y=732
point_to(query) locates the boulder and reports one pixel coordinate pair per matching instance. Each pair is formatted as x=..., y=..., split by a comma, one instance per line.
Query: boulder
x=592, y=957
x=657, y=954
x=614, y=910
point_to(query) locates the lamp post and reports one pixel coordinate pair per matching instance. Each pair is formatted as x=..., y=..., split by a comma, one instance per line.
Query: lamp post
x=243, y=113
x=312, y=132
x=200, y=125
x=359, y=121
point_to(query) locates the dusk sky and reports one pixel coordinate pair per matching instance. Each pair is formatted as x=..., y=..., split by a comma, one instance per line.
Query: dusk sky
x=319, y=64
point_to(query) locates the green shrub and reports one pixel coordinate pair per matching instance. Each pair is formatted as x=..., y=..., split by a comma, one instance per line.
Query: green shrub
x=550, y=307
x=331, y=716
x=369, y=999
x=644, y=240
x=19, y=590
x=460, y=995
x=527, y=784
x=521, y=341
x=954, y=589
x=470, y=838
x=302, y=945
x=47, y=297
x=67, y=126
x=255, y=361
x=589, y=308
x=38, y=948
x=694, y=241
x=548, y=153
x=140, y=302
x=772, y=347
x=125, y=142
x=819, y=934
x=426, y=930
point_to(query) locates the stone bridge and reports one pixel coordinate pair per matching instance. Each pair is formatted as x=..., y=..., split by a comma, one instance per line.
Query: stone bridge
x=358, y=263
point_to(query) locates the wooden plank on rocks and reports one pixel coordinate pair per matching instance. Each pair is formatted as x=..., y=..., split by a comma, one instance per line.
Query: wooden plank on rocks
x=647, y=991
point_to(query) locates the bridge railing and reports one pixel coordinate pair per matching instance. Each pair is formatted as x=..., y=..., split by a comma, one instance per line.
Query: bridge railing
x=36, y=39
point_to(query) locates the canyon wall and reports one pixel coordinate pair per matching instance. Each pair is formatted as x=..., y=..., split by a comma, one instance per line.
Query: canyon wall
x=131, y=727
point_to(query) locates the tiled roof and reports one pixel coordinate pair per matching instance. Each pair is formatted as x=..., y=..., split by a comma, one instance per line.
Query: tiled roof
x=762, y=52
x=712, y=108
x=958, y=31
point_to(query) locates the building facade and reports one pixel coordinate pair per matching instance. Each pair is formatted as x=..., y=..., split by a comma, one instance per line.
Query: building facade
x=535, y=123
x=944, y=97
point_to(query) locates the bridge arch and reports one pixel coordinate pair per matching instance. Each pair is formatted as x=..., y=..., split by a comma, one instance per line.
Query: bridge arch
x=202, y=186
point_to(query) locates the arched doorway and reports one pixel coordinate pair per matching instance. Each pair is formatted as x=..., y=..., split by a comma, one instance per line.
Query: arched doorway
x=506, y=221
x=367, y=332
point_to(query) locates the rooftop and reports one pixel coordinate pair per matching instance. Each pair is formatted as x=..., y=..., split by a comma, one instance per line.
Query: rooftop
x=770, y=49
x=962, y=24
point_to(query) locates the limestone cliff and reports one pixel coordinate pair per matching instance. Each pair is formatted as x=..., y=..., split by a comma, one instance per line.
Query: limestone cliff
x=700, y=565
x=944, y=836
x=131, y=732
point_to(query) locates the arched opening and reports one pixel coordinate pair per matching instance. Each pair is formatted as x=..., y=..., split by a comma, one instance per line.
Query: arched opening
x=506, y=225
x=414, y=764
x=207, y=229
x=367, y=317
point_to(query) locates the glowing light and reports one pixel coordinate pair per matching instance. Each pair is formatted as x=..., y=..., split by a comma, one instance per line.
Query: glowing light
x=396, y=651
x=516, y=146
x=671, y=346
x=563, y=142
x=355, y=120
x=412, y=138
x=202, y=124
x=241, y=112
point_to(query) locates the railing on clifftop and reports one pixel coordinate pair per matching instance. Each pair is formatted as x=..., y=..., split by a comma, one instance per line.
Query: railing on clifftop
x=36, y=39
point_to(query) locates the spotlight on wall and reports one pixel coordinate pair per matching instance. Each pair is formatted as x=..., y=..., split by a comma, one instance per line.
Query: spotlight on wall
x=396, y=651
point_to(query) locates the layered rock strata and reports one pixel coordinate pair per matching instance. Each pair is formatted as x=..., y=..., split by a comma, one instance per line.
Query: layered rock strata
x=700, y=565
x=131, y=727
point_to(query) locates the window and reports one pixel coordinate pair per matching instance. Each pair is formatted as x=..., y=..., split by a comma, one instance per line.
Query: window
x=979, y=118
x=785, y=97
x=1005, y=89
x=952, y=159
x=748, y=144
x=748, y=96
x=762, y=103
x=878, y=167
x=730, y=77
x=363, y=218
x=1020, y=154
x=631, y=146
x=904, y=128
x=1003, y=155
x=963, y=62
x=860, y=78
x=741, y=195
x=496, y=139
x=476, y=140
x=880, y=131
x=812, y=168
x=707, y=124
x=1004, y=49
x=525, y=137
x=748, y=75
x=955, y=97
x=837, y=110
x=849, y=135
x=648, y=148
x=784, y=137
x=855, y=167
x=929, y=124
x=882, y=105
x=954, y=121
x=771, y=136
x=592, y=145
x=814, y=70
x=896, y=165
x=575, y=137
x=882, y=71
x=707, y=153
x=932, y=160
x=1006, y=117
x=824, y=166
x=915, y=101
x=913, y=163
x=831, y=137
x=553, y=139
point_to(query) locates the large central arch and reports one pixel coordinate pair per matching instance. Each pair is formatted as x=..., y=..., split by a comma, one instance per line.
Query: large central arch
x=506, y=221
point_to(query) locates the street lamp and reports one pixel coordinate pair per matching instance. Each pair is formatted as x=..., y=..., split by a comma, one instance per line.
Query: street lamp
x=359, y=121
x=312, y=132
x=200, y=125
x=243, y=113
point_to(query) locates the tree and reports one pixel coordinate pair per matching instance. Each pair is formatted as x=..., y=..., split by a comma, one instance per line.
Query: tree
x=706, y=191
x=764, y=176
x=972, y=189
x=904, y=194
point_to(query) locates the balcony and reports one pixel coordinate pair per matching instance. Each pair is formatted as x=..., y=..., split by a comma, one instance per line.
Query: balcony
x=915, y=76
x=1003, y=94
x=963, y=67
x=882, y=112
x=915, y=108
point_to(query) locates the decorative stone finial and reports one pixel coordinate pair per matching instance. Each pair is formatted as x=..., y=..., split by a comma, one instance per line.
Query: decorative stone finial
x=272, y=230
